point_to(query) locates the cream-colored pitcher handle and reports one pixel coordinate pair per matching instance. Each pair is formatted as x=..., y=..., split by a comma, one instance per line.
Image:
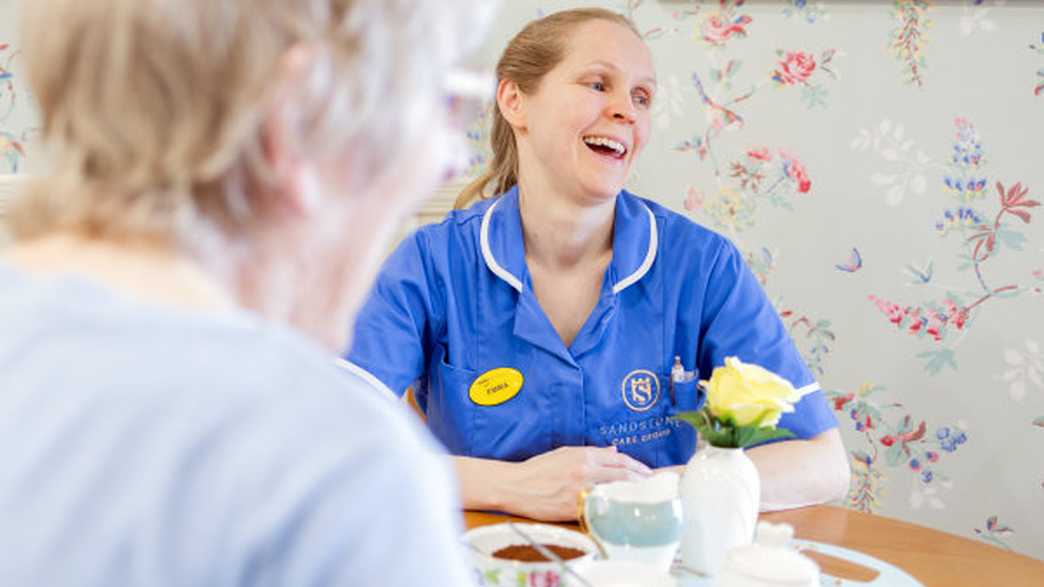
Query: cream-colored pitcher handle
x=581, y=517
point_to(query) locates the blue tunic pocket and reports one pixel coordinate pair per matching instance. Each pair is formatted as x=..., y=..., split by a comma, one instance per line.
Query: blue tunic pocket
x=514, y=429
x=450, y=415
x=686, y=396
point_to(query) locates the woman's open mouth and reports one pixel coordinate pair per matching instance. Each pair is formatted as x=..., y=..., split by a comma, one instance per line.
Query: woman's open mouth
x=606, y=146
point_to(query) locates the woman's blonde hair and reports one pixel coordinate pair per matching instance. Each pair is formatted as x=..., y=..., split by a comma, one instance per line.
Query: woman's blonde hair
x=152, y=110
x=533, y=52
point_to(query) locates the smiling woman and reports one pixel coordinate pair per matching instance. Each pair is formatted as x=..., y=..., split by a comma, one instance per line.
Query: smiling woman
x=585, y=290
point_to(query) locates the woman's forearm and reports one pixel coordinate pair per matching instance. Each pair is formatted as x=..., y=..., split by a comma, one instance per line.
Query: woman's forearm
x=485, y=484
x=798, y=473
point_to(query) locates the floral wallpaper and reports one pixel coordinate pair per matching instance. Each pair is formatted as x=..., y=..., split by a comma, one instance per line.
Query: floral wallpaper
x=879, y=164
x=17, y=115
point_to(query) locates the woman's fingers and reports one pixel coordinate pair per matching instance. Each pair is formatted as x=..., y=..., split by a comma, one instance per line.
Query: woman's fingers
x=606, y=474
x=610, y=457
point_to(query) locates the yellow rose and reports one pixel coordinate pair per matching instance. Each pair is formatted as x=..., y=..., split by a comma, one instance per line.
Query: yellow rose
x=748, y=395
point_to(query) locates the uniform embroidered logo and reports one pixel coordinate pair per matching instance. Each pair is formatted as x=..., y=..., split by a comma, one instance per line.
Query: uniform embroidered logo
x=640, y=389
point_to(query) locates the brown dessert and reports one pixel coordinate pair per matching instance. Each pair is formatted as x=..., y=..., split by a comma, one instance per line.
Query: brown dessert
x=527, y=553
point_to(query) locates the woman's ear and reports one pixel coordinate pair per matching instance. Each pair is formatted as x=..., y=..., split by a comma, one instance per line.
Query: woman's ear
x=294, y=185
x=512, y=104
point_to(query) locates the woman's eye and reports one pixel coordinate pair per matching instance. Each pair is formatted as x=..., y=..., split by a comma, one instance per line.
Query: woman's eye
x=597, y=86
x=642, y=99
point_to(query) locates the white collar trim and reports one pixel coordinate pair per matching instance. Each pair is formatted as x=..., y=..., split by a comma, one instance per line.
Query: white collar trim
x=504, y=274
x=650, y=256
x=487, y=253
x=366, y=376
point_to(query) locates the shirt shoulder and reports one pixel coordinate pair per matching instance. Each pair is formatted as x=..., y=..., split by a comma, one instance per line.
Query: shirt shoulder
x=450, y=246
x=683, y=241
x=458, y=221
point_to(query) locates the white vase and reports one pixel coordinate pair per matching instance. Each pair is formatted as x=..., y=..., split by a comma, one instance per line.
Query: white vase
x=720, y=492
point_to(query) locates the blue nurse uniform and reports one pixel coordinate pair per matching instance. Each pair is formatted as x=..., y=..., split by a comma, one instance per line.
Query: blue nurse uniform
x=455, y=302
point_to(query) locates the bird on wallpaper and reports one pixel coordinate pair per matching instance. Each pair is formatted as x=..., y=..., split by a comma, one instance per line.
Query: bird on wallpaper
x=854, y=263
x=921, y=276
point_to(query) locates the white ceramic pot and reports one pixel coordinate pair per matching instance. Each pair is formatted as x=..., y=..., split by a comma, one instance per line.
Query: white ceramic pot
x=720, y=492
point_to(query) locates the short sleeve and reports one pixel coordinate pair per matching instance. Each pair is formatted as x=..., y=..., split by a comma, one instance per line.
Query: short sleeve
x=739, y=321
x=397, y=322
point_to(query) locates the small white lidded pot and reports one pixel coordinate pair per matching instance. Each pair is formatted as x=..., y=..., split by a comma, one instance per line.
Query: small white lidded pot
x=769, y=562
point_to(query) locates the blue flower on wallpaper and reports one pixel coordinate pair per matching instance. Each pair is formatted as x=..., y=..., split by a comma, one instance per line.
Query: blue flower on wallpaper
x=893, y=440
x=1039, y=88
x=972, y=186
x=963, y=178
x=958, y=219
x=810, y=12
x=967, y=150
x=949, y=439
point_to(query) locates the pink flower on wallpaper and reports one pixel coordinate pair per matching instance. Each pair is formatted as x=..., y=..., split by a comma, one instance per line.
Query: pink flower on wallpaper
x=796, y=171
x=915, y=319
x=693, y=199
x=760, y=154
x=719, y=27
x=795, y=68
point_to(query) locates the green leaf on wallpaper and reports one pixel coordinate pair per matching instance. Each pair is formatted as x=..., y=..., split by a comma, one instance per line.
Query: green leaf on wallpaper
x=905, y=426
x=780, y=201
x=936, y=360
x=895, y=455
x=1011, y=239
x=954, y=297
x=866, y=409
x=814, y=96
x=1039, y=421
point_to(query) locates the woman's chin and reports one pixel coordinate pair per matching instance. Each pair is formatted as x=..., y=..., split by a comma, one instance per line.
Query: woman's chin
x=602, y=192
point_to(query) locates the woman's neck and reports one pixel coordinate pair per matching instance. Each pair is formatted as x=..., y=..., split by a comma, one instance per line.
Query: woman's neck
x=561, y=233
x=152, y=273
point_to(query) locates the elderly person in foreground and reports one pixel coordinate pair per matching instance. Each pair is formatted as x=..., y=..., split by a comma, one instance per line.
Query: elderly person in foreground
x=224, y=177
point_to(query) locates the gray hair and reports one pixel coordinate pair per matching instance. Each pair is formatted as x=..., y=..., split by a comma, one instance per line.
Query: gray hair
x=152, y=109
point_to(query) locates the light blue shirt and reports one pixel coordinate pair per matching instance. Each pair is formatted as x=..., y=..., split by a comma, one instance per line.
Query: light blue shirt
x=151, y=447
x=455, y=302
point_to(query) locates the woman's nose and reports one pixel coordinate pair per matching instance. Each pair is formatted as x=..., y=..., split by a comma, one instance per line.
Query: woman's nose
x=622, y=109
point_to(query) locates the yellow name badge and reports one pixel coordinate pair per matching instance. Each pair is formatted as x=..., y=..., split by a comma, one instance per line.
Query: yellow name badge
x=496, y=386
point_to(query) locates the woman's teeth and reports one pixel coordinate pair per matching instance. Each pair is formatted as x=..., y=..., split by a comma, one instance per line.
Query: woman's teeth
x=607, y=143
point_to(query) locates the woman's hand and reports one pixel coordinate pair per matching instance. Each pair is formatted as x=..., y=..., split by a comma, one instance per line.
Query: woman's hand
x=547, y=486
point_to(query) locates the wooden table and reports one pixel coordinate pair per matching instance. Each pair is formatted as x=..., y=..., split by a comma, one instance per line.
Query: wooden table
x=932, y=557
